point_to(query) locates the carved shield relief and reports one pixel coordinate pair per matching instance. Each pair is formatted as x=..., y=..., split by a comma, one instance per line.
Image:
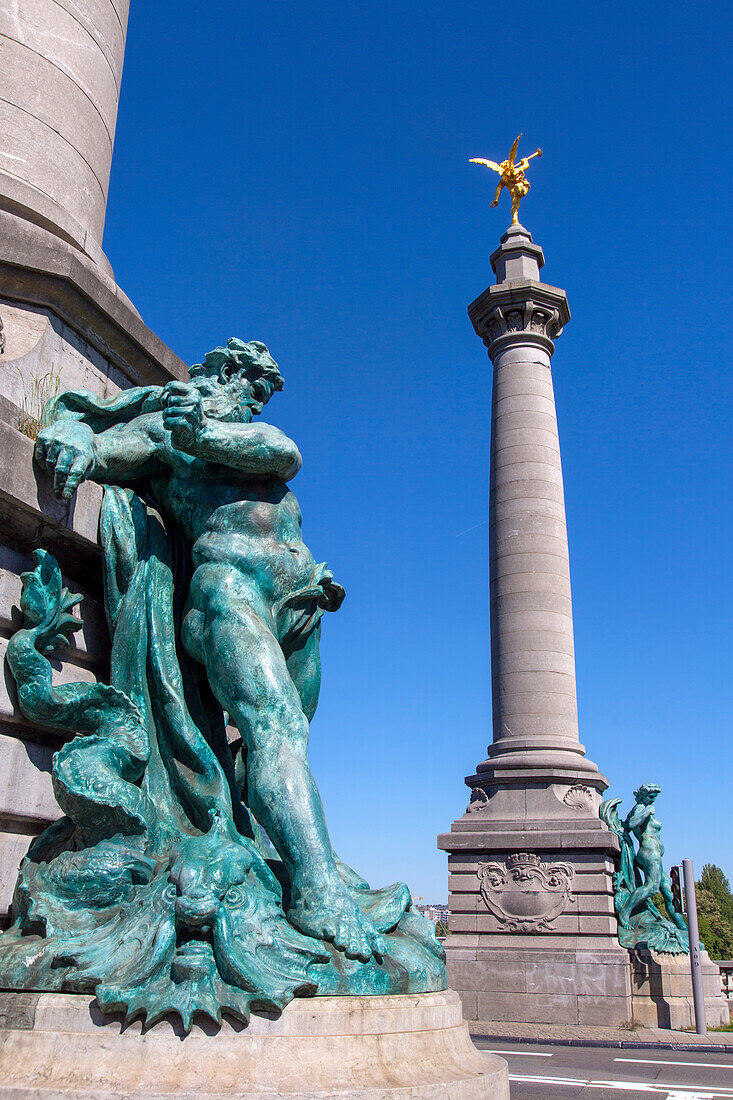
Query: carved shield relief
x=525, y=894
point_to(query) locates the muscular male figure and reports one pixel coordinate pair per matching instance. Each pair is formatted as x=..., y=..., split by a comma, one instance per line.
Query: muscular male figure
x=223, y=480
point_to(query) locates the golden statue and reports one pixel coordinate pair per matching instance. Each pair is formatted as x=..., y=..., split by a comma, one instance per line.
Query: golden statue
x=512, y=177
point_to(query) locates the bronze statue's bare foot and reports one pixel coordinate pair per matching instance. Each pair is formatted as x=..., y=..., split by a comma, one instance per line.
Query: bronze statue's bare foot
x=332, y=915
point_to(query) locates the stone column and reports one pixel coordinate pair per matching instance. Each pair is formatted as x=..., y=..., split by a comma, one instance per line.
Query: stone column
x=60, y=73
x=535, y=714
x=531, y=901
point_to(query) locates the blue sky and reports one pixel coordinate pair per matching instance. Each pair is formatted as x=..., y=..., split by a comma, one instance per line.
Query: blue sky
x=299, y=174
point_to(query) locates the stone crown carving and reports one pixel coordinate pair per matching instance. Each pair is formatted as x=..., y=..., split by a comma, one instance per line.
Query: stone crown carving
x=525, y=317
x=525, y=894
x=526, y=312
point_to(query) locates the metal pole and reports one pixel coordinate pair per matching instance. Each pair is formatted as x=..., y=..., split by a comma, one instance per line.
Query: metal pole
x=698, y=995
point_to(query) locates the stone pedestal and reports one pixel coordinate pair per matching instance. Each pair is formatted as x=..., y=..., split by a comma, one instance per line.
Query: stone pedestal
x=531, y=904
x=370, y=1048
x=662, y=991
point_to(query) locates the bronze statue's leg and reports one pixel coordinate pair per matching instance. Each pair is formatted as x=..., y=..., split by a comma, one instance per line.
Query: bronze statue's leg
x=497, y=193
x=652, y=874
x=249, y=676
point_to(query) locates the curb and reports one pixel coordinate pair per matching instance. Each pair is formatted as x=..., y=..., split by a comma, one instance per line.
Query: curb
x=616, y=1044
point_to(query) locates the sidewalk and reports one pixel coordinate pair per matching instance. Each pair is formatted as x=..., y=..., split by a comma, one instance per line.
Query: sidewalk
x=642, y=1038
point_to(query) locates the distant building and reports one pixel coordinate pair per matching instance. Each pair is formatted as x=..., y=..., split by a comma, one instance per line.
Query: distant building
x=438, y=914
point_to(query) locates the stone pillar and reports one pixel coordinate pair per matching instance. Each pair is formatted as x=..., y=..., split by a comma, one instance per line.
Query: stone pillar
x=64, y=323
x=531, y=904
x=60, y=73
x=535, y=714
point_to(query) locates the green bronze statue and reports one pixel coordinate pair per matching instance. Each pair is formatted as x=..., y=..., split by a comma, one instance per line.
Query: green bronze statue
x=185, y=877
x=641, y=876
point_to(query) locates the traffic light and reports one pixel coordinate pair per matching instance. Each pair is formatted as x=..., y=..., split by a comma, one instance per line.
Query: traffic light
x=674, y=875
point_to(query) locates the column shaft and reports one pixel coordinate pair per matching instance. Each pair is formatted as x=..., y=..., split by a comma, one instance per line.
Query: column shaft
x=532, y=654
x=60, y=73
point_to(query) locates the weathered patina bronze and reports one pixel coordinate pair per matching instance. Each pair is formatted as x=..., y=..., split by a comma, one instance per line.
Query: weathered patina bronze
x=186, y=877
x=641, y=876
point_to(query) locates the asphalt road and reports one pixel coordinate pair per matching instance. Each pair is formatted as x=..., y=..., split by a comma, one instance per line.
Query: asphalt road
x=559, y=1073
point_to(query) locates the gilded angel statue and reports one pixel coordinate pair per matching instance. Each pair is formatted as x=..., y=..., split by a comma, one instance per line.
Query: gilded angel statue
x=511, y=177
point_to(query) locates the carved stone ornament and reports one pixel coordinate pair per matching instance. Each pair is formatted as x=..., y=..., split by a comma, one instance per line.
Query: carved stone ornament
x=579, y=797
x=529, y=317
x=479, y=800
x=525, y=894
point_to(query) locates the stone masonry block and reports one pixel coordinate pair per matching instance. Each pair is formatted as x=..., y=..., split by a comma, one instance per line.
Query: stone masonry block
x=535, y=455
x=508, y=434
x=515, y=487
x=528, y=1007
x=508, y=976
x=596, y=904
x=469, y=1001
x=533, y=418
x=13, y=847
x=538, y=476
x=527, y=562
x=521, y=661
x=23, y=482
x=519, y=403
x=604, y=1011
x=26, y=793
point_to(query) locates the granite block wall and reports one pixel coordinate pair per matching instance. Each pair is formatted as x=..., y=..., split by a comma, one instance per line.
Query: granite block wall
x=37, y=342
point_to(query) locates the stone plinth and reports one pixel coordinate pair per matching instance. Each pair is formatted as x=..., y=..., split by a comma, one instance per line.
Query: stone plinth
x=530, y=862
x=662, y=991
x=371, y=1048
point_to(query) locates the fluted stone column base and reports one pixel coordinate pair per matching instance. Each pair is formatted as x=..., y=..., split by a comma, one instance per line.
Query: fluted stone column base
x=353, y=1048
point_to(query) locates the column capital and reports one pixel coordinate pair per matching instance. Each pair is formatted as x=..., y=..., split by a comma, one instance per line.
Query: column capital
x=519, y=309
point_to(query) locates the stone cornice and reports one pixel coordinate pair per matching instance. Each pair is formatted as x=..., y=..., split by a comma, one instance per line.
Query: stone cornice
x=38, y=268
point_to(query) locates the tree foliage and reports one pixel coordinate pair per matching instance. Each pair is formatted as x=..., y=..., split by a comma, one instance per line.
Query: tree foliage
x=715, y=912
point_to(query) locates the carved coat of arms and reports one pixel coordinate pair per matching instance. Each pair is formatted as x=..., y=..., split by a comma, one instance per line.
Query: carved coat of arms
x=525, y=894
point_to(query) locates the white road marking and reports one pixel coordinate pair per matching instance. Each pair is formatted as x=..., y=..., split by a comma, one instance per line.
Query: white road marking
x=664, y=1062
x=673, y=1092
x=547, y=1080
x=520, y=1053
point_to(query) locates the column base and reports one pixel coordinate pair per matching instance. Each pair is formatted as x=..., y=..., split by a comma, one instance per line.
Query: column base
x=353, y=1048
x=532, y=921
x=519, y=765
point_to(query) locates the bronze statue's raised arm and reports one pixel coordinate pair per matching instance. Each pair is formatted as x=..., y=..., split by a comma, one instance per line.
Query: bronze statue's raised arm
x=260, y=450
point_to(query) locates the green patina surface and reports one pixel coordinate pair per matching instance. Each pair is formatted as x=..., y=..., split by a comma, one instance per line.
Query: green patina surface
x=189, y=874
x=641, y=875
